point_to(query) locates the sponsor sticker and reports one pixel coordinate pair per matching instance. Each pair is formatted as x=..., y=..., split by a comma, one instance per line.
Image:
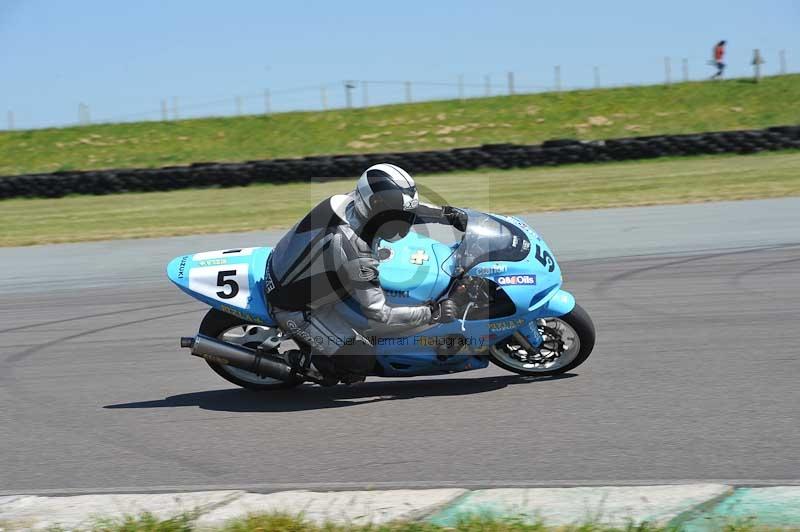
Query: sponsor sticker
x=251, y=318
x=519, y=280
x=269, y=286
x=213, y=262
x=419, y=257
x=491, y=270
x=182, y=266
x=397, y=293
x=506, y=325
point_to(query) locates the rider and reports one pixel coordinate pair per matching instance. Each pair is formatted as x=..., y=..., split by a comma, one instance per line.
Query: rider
x=331, y=254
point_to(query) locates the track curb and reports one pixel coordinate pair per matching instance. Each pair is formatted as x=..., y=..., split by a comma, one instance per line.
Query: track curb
x=696, y=507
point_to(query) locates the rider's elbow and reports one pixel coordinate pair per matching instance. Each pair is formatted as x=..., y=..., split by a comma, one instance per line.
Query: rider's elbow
x=381, y=314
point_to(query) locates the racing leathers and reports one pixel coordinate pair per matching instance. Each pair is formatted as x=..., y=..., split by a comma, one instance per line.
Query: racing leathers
x=324, y=259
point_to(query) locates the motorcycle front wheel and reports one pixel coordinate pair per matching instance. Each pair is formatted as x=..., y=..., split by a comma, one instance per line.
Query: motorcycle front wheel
x=231, y=329
x=568, y=341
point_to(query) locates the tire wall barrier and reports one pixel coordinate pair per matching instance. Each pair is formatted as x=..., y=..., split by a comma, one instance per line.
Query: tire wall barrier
x=327, y=168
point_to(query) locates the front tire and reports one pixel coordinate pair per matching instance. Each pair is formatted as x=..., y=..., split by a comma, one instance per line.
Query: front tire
x=223, y=326
x=572, y=335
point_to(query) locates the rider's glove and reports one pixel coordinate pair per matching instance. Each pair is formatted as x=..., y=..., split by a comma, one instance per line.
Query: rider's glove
x=444, y=311
x=457, y=218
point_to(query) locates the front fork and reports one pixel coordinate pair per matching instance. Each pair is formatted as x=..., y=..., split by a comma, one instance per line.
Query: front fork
x=561, y=302
x=529, y=336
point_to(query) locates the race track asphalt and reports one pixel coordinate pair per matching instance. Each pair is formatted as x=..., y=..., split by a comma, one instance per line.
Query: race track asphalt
x=694, y=376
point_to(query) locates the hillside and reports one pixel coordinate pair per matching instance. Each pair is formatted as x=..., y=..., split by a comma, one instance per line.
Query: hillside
x=532, y=118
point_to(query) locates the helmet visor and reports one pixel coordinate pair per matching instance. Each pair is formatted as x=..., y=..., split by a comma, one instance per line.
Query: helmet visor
x=391, y=225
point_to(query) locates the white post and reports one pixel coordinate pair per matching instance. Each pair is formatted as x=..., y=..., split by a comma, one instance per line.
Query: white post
x=323, y=96
x=685, y=65
x=365, y=93
x=782, y=59
x=757, y=62
x=267, y=102
x=174, y=107
x=11, y=120
x=510, y=83
x=596, y=77
x=557, y=77
x=348, y=96
x=487, y=82
x=461, y=87
x=164, y=113
x=238, y=105
x=408, y=92
x=83, y=114
x=667, y=71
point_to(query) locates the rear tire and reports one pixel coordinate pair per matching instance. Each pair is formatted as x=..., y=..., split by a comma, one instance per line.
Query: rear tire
x=580, y=322
x=215, y=324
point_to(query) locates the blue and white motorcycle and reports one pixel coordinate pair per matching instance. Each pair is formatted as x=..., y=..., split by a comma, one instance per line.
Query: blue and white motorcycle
x=501, y=274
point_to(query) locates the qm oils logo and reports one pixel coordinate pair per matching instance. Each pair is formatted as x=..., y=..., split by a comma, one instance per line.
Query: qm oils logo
x=519, y=280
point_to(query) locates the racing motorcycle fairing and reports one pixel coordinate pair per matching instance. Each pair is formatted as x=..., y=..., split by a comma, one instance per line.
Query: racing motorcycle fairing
x=524, y=287
x=502, y=274
x=230, y=280
x=412, y=269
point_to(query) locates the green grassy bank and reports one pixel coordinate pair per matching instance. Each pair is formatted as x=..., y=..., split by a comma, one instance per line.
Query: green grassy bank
x=532, y=118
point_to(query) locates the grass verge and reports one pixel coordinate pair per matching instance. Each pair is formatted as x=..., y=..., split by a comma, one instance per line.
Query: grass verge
x=287, y=523
x=258, y=207
x=527, y=118
x=664, y=181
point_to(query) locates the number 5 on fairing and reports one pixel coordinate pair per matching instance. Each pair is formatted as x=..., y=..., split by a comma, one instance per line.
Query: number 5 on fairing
x=222, y=281
x=227, y=282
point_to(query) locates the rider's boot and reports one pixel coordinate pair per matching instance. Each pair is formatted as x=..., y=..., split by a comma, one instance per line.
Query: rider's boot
x=353, y=365
x=317, y=369
x=325, y=370
x=350, y=378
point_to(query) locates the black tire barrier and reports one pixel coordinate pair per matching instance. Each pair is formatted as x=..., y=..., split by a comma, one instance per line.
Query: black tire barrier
x=330, y=167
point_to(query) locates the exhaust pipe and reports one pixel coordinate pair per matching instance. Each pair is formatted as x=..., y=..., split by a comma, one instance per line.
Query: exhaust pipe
x=214, y=350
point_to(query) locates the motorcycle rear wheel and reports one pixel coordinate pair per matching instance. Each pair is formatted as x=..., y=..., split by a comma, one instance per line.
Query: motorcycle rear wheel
x=573, y=334
x=223, y=326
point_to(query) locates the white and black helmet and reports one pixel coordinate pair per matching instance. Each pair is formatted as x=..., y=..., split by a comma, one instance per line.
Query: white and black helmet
x=385, y=199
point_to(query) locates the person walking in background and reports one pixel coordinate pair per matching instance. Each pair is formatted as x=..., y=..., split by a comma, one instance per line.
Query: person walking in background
x=719, y=55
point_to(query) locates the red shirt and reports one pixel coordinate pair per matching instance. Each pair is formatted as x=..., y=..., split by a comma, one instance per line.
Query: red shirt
x=719, y=51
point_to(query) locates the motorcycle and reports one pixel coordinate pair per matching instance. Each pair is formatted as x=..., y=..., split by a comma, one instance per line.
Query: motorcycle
x=501, y=274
